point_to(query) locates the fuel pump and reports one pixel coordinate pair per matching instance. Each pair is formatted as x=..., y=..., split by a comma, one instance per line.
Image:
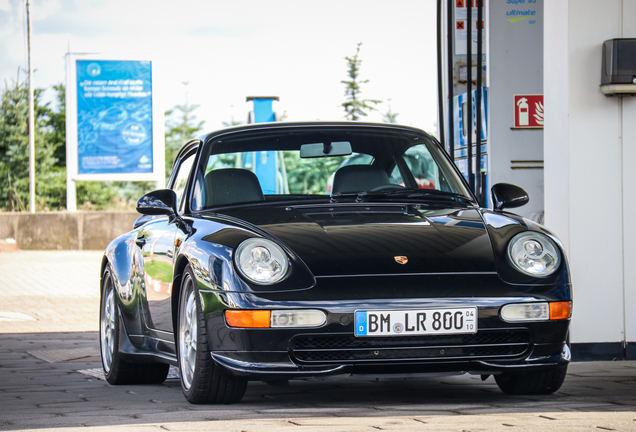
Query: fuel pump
x=490, y=58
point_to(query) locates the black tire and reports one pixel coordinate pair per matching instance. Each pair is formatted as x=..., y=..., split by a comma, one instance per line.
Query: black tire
x=532, y=383
x=116, y=370
x=202, y=380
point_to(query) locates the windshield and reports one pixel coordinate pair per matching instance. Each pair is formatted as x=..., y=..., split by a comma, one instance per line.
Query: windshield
x=321, y=164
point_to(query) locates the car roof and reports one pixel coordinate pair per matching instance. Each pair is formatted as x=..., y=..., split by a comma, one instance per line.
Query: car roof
x=368, y=138
x=308, y=124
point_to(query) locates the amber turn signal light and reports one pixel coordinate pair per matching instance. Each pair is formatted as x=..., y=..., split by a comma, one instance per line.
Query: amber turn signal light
x=560, y=310
x=248, y=318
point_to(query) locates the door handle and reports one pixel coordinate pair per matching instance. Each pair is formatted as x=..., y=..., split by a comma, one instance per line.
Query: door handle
x=141, y=241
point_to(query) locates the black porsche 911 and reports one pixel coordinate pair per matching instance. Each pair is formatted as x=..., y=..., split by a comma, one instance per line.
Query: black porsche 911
x=294, y=250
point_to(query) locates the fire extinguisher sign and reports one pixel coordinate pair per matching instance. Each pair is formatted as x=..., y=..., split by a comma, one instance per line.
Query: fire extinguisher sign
x=528, y=111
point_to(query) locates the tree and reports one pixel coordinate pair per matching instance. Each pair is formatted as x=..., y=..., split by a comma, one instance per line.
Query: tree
x=181, y=126
x=354, y=106
x=390, y=116
x=310, y=176
x=14, y=151
x=57, y=124
x=231, y=123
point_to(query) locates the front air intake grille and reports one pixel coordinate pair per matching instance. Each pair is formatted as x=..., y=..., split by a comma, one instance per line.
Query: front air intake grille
x=485, y=344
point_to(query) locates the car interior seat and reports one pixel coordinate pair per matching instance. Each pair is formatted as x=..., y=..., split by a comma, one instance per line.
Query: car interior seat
x=358, y=178
x=231, y=186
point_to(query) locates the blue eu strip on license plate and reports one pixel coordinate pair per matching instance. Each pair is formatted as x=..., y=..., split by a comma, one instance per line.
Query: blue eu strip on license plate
x=416, y=322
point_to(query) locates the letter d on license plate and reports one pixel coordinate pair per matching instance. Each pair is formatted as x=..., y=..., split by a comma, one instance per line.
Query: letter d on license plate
x=416, y=322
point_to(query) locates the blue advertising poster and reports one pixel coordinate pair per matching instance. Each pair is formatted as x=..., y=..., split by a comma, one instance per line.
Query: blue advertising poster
x=114, y=116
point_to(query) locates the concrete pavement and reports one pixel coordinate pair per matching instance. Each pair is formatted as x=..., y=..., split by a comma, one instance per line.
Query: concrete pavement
x=50, y=291
x=49, y=368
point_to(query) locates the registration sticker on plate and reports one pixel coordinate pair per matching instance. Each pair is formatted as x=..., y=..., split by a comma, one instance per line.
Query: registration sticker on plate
x=416, y=322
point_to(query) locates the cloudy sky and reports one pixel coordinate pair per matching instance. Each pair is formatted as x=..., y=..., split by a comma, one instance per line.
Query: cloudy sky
x=227, y=50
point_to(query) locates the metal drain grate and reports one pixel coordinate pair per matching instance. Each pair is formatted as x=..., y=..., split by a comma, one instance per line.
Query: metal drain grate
x=64, y=355
x=69, y=355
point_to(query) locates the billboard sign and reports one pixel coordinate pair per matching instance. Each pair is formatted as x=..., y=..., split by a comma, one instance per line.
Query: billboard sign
x=114, y=125
x=114, y=116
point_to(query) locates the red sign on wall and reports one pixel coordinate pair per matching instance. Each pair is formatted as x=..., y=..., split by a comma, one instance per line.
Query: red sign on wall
x=528, y=111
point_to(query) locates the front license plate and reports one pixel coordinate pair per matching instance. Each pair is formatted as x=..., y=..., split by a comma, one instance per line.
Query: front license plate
x=416, y=322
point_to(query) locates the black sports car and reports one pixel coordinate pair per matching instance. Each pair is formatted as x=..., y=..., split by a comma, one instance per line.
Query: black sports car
x=294, y=250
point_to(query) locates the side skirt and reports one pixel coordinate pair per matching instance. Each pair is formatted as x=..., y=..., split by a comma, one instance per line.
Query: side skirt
x=148, y=353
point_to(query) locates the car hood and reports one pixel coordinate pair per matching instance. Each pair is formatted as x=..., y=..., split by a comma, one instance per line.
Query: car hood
x=369, y=239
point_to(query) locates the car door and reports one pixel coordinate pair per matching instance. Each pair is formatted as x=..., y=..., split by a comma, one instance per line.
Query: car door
x=157, y=242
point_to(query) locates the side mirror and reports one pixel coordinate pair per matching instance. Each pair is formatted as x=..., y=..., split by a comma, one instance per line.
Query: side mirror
x=505, y=195
x=159, y=202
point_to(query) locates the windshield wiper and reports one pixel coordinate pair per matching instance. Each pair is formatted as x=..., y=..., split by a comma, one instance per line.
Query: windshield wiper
x=403, y=193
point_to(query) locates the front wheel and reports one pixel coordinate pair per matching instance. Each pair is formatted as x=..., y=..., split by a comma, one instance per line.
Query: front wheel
x=539, y=382
x=116, y=369
x=202, y=381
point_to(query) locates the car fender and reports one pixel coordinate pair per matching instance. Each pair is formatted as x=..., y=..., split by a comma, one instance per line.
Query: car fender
x=124, y=258
x=502, y=227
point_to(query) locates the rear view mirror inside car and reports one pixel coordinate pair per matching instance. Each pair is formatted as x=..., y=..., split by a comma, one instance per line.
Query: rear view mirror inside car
x=339, y=148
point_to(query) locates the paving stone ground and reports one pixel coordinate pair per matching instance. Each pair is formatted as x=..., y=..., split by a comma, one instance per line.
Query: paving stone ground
x=45, y=384
x=58, y=290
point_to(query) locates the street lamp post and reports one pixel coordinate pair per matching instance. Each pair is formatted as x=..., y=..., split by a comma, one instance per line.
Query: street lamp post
x=31, y=118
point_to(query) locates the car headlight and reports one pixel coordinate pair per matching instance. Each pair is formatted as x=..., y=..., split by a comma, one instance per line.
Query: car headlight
x=534, y=254
x=261, y=261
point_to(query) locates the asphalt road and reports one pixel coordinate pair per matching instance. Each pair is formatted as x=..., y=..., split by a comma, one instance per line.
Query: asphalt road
x=50, y=379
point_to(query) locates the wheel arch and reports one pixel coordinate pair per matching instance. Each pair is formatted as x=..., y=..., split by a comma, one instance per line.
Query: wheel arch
x=180, y=265
x=105, y=263
x=121, y=258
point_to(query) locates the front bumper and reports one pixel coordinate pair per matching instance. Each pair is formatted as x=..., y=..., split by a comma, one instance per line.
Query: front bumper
x=489, y=351
x=264, y=371
x=287, y=353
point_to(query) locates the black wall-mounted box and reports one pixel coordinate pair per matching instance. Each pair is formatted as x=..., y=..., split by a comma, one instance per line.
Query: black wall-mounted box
x=618, y=74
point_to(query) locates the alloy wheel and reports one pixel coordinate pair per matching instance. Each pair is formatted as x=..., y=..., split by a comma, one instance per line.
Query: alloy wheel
x=107, y=327
x=188, y=337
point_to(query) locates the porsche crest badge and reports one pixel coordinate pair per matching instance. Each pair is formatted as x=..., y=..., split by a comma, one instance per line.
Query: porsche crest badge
x=401, y=259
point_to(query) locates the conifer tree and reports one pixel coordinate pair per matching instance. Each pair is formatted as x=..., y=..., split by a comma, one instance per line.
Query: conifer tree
x=354, y=105
x=14, y=150
x=181, y=126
